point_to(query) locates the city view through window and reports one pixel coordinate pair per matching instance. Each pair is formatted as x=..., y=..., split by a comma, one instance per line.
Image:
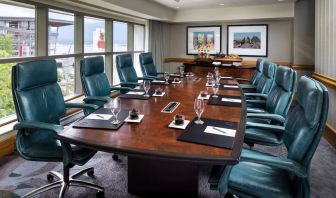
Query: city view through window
x=17, y=40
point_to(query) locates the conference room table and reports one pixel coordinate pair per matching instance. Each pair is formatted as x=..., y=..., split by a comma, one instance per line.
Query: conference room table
x=158, y=164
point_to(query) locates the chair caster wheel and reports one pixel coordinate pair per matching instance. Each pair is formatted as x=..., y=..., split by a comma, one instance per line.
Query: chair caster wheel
x=50, y=178
x=100, y=194
x=115, y=157
x=91, y=173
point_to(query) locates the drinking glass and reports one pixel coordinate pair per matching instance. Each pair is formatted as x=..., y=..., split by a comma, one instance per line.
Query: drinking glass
x=216, y=70
x=217, y=78
x=181, y=70
x=166, y=77
x=215, y=90
x=146, y=86
x=199, y=108
x=116, y=109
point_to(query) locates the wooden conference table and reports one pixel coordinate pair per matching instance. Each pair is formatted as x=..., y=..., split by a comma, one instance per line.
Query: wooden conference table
x=158, y=164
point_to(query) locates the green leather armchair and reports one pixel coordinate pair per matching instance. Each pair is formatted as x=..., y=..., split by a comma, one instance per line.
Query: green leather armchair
x=275, y=105
x=253, y=82
x=266, y=81
x=95, y=84
x=39, y=105
x=127, y=74
x=147, y=65
x=263, y=175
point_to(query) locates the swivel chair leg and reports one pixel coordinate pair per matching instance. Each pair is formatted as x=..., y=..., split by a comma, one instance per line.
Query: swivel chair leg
x=45, y=188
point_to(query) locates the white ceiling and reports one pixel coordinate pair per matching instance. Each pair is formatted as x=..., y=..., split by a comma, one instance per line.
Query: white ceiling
x=199, y=4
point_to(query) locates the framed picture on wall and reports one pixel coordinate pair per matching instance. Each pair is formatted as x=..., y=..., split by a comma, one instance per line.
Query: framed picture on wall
x=247, y=40
x=206, y=38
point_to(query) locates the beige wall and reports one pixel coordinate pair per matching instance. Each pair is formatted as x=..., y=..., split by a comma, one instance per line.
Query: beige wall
x=279, y=39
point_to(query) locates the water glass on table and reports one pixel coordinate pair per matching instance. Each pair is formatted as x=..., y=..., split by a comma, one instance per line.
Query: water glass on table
x=181, y=69
x=215, y=88
x=115, y=107
x=166, y=76
x=199, y=108
x=146, y=87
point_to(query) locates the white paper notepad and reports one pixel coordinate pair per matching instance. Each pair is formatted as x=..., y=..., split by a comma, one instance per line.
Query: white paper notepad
x=158, y=81
x=94, y=116
x=135, y=93
x=231, y=86
x=226, y=77
x=231, y=100
x=220, y=131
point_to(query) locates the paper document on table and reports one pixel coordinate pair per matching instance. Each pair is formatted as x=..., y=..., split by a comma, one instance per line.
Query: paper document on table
x=158, y=81
x=231, y=100
x=135, y=93
x=226, y=77
x=231, y=86
x=94, y=116
x=220, y=131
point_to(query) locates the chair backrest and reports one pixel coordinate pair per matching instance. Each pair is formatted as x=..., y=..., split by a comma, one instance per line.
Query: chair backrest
x=37, y=98
x=147, y=65
x=267, y=79
x=126, y=69
x=305, y=125
x=281, y=95
x=93, y=77
x=258, y=72
x=36, y=94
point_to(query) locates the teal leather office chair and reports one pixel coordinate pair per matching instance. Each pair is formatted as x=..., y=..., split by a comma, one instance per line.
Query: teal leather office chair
x=266, y=81
x=39, y=105
x=127, y=74
x=253, y=82
x=263, y=175
x=275, y=105
x=147, y=65
x=95, y=83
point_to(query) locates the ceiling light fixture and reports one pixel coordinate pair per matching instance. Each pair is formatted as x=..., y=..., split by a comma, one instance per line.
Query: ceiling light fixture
x=177, y=7
x=221, y=4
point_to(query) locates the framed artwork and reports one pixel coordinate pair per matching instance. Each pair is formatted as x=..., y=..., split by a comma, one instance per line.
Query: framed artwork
x=247, y=40
x=204, y=38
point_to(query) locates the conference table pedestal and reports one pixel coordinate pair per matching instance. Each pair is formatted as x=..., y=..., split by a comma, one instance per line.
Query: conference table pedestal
x=162, y=178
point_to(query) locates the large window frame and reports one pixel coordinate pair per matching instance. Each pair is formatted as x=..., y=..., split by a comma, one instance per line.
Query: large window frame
x=41, y=46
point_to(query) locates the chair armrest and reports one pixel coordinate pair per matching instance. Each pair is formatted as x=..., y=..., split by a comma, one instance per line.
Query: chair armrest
x=97, y=98
x=120, y=88
x=256, y=95
x=270, y=116
x=256, y=101
x=268, y=127
x=278, y=162
x=160, y=73
x=243, y=79
x=81, y=106
x=146, y=78
x=149, y=76
x=129, y=83
x=39, y=125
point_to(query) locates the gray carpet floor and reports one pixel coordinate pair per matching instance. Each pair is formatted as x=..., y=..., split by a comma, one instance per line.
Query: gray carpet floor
x=18, y=176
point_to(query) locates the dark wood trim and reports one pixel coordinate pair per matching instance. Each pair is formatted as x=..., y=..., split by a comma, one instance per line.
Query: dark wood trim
x=325, y=79
x=227, y=39
x=330, y=135
x=220, y=36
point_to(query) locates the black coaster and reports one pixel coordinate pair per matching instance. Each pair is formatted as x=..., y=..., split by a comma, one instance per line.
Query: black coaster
x=195, y=133
x=218, y=101
x=140, y=97
x=102, y=124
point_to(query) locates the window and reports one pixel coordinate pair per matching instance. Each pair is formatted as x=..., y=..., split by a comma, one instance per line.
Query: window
x=139, y=38
x=66, y=76
x=6, y=100
x=61, y=33
x=17, y=31
x=94, y=35
x=115, y=79
x=119, y=36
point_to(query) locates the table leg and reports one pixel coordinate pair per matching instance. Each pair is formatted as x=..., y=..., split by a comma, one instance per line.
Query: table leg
x=162, y=178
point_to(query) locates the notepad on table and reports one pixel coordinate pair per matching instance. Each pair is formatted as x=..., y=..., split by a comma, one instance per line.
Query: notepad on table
x=220, y=131
x=231, y=100
x=94, y=116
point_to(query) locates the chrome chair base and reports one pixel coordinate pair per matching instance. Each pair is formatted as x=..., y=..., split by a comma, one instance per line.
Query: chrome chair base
x=65, y=182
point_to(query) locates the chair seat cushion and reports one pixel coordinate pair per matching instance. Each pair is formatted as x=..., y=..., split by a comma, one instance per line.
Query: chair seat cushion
x=262, y=136
x=259, y=180
x=255, y=110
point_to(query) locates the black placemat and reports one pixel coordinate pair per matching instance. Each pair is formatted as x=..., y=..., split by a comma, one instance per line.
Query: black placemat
x=218, y=101
x=140, y=97
x=102, y=124
x=195, y=133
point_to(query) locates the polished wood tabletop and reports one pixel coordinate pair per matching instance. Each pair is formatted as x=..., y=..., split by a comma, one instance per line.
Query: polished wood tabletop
x=153, y=139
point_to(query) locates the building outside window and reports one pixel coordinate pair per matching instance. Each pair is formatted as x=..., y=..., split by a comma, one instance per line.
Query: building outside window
x=94, y=35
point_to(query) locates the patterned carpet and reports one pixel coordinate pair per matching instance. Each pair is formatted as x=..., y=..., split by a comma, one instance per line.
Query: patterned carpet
x=18, y=176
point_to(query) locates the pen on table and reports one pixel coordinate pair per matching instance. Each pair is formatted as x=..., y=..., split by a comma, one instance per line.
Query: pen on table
x=217, y=129
x=99, y=116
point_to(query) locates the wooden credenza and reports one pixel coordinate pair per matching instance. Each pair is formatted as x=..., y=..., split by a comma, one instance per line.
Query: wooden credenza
x=236, y=72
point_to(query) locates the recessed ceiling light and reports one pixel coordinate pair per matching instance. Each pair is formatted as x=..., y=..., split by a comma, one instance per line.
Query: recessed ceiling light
x=177, y=7
x=221, y=4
